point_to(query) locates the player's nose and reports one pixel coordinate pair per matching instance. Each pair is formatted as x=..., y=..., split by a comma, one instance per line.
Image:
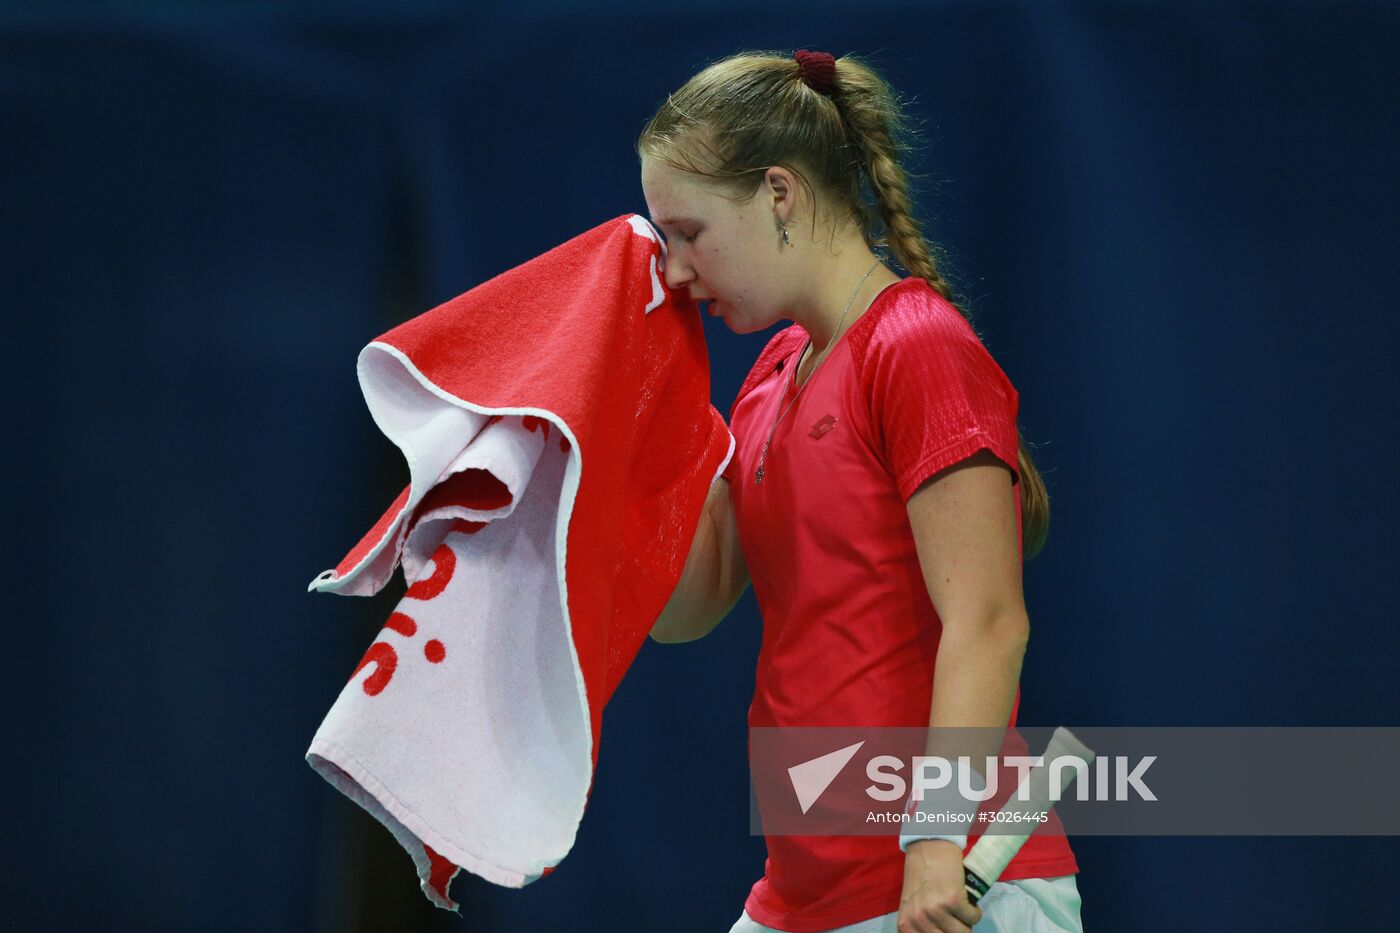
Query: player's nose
x=678, y=271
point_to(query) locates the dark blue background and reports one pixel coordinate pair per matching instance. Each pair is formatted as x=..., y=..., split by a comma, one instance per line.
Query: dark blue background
x=1175, y=224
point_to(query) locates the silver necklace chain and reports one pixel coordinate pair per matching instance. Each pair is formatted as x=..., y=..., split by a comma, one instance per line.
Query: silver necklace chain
x=758, y=474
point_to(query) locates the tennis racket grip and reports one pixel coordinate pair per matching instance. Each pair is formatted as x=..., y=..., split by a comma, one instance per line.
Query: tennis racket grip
x=985, y=862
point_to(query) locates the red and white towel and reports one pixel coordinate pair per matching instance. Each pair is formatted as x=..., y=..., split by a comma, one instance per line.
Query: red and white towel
x=560, y=443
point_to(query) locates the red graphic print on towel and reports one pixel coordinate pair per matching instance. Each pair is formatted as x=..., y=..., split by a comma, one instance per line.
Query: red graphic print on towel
x=381, y=653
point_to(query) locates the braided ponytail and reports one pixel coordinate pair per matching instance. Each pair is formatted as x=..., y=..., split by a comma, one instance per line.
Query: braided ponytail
x=873, y=116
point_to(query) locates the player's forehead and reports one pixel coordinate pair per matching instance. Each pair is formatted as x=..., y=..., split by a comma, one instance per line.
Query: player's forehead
x=674, y=198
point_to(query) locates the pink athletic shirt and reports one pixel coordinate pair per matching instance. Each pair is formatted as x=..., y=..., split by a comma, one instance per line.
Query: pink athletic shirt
x=849, y=632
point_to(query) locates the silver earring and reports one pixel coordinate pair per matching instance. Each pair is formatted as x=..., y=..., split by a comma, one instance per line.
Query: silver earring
x=783, y=227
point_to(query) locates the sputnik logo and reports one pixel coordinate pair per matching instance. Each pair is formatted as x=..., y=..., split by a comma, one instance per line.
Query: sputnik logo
x=811, y=778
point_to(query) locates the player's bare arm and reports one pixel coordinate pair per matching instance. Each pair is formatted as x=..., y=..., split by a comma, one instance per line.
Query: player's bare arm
x=714, y=578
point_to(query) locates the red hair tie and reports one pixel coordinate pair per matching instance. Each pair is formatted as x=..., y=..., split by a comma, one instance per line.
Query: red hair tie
x=818, y=70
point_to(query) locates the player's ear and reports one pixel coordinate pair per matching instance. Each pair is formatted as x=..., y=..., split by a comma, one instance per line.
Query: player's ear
x=782, y=186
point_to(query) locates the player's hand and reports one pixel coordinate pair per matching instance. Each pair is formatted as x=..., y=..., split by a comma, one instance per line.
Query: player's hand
x=934, y=899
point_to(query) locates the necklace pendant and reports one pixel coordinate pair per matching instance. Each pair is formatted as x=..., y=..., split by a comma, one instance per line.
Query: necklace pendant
x=762, y=459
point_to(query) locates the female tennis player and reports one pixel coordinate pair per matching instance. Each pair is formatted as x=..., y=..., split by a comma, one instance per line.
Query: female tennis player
x=880, y=498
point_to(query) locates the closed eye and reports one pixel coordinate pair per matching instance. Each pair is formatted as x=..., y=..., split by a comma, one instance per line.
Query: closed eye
x=679, y=234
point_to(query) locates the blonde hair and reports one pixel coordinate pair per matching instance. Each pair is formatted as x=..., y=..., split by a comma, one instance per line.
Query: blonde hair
x=745, y=113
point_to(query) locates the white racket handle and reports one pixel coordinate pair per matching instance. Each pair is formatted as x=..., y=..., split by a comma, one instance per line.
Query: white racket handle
x=986, y=861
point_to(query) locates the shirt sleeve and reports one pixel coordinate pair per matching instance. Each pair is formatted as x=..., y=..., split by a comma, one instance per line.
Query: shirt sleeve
x=937, y=397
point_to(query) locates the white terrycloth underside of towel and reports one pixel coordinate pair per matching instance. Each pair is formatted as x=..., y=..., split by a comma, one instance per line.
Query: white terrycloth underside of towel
x=485, y=754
